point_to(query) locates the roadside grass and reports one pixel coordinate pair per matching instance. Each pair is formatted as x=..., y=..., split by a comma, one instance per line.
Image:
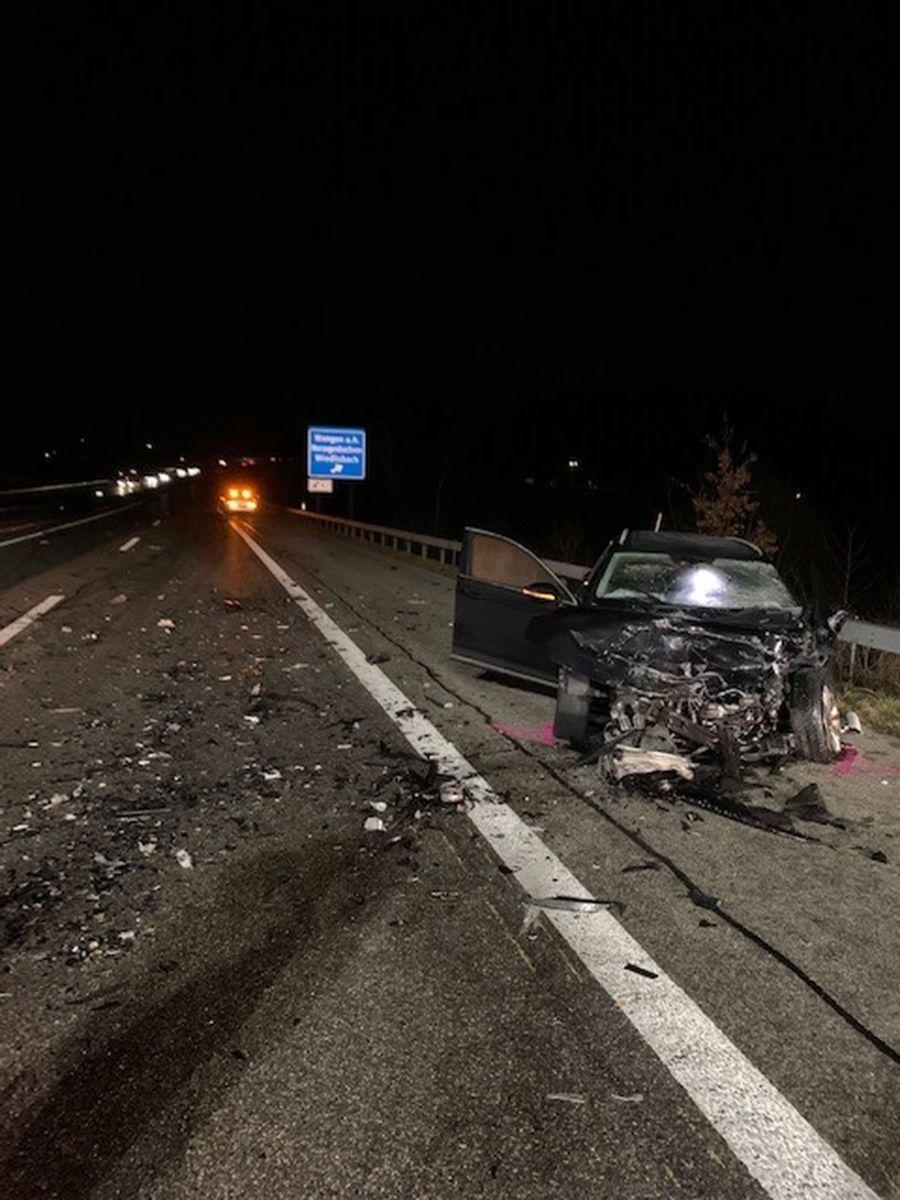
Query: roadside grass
x=877, y=710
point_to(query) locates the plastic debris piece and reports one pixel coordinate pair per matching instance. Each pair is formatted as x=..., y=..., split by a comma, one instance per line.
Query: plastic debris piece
x=878, y=856
x=232, y=605
x=251, y=720
x=629, y=761
x=642, y=971
x=373, y=825
x=379, y=806
x=452, y=793
x=704, y=900
x=852, y=723
x=633, y=1098
x=641, y=866
x=256, y=689
x=378, y=658
x=807, y=805
x=147, y=848
x=568, y=1097
x=165, y=623
x=184, y=859
x=120, y=599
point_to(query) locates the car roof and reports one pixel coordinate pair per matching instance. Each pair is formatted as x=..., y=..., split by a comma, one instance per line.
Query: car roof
x=691, y=545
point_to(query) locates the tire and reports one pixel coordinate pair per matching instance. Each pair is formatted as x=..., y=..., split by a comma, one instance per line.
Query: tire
x=815, y=718
x=573, y=703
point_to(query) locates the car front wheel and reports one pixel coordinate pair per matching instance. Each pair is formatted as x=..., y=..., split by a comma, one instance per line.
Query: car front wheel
x=815, y=716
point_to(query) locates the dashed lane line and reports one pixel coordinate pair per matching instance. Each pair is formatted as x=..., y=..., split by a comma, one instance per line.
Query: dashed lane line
x=22, y=623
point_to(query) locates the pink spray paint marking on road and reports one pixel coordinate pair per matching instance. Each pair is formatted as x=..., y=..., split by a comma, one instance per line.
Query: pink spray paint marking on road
x=543, y=735
x=852, y=762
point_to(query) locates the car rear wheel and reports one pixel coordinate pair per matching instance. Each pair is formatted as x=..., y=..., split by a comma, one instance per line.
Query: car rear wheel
x=573, y=702
x=815, y=716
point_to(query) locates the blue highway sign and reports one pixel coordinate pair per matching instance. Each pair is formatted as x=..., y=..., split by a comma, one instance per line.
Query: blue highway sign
x=335, y=453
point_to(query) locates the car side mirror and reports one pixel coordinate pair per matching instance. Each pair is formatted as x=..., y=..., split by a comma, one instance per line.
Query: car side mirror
x=835, y=620
x=549, y=593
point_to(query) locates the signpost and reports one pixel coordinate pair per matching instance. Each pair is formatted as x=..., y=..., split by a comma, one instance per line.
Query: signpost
x=336, y=453
x=320, y=485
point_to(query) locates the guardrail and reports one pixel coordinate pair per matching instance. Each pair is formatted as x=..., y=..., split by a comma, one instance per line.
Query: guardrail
x=445, y=550
x=56, y=487
x=856, y=633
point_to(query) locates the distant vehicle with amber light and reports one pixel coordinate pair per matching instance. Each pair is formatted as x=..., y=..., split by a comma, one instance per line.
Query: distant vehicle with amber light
x=239, y=498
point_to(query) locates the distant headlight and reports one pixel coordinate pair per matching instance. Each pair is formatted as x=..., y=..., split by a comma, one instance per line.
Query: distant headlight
x=246, y=494
x=233, y=493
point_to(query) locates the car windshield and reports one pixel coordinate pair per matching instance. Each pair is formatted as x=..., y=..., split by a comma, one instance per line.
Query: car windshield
x=715, y=583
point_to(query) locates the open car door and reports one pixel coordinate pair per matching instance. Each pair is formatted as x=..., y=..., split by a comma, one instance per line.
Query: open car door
x=500, y=589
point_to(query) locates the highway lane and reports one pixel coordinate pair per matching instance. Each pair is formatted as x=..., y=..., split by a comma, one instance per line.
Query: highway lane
x=308, y=1011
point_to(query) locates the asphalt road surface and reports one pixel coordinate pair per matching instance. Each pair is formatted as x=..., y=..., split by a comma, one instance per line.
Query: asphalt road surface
x=217, y=982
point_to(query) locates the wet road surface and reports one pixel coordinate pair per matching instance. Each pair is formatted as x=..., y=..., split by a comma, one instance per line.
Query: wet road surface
x=305, y=1008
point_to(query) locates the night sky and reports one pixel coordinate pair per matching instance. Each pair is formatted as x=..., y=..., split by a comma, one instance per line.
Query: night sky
x=512, y=234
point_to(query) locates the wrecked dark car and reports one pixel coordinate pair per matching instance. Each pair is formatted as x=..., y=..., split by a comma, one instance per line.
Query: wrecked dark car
x=676, y=646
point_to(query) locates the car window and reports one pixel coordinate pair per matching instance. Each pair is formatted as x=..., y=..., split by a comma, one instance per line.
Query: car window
x=718, y=583
x=498, y=560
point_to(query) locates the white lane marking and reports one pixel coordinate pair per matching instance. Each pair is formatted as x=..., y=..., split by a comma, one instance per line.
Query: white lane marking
x=129, y=544
x=779, y=1148
x=21, y=623
x=39, y=533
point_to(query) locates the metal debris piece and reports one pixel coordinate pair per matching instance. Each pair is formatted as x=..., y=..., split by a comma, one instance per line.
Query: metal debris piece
x=568, y=1097
x=633, y=1098
x=641, y=866
x=575, y=904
